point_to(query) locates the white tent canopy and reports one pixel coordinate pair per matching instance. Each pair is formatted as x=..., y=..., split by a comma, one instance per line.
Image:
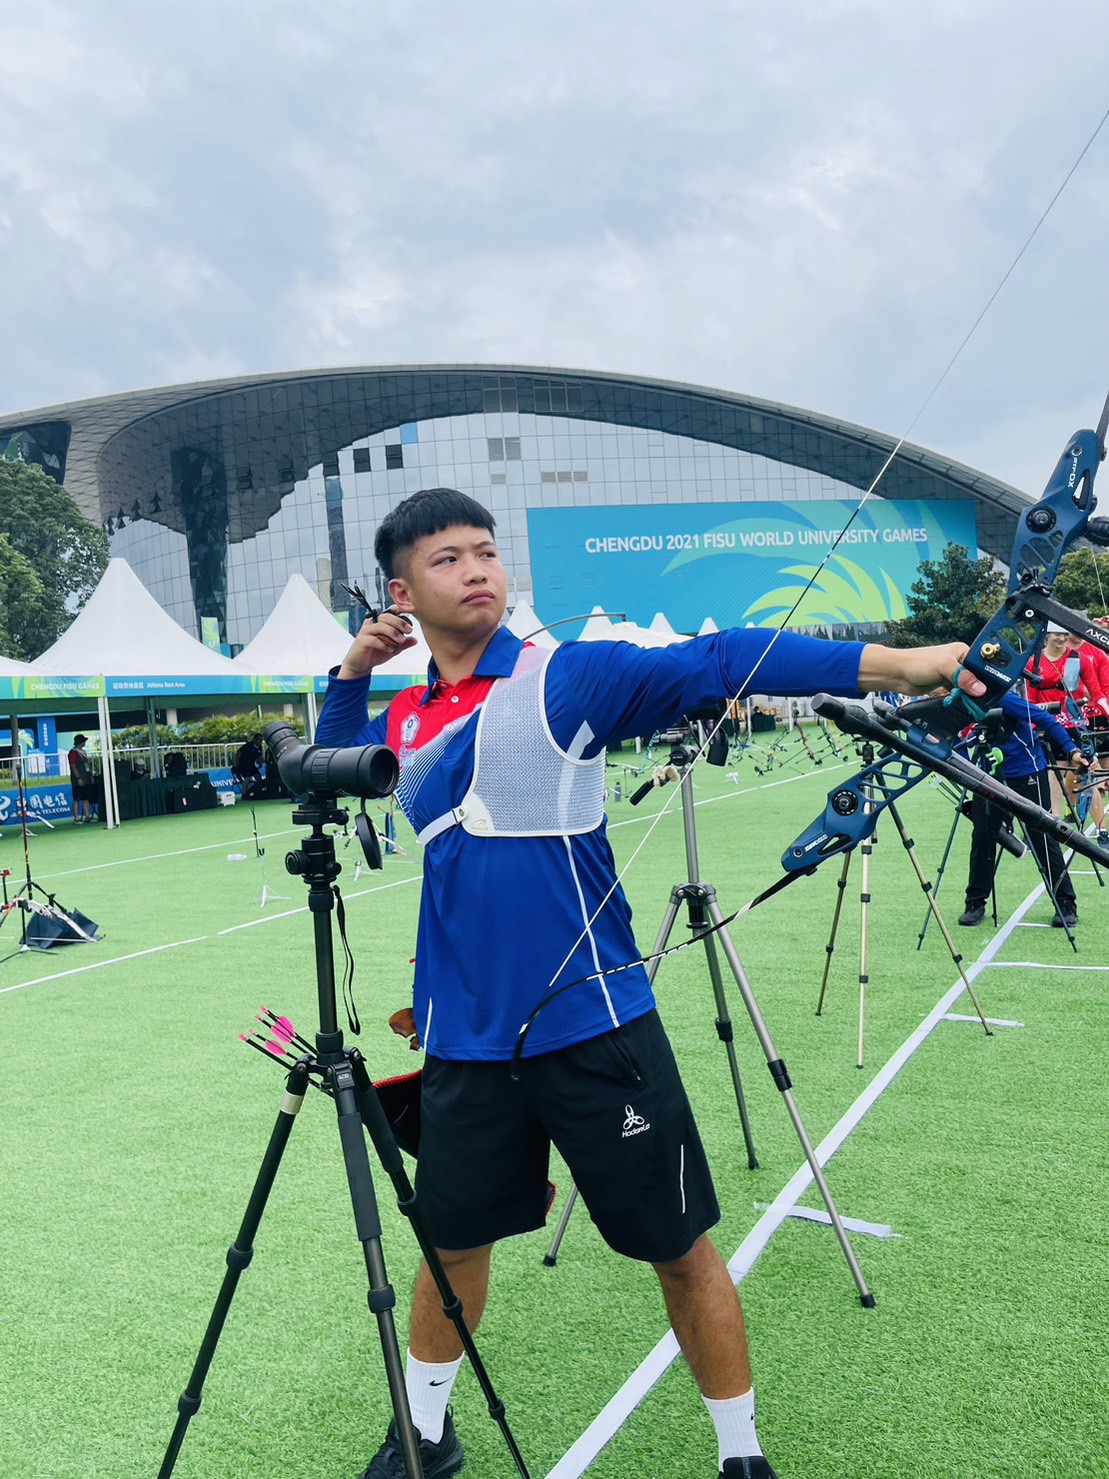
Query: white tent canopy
x=524, y=623
x=11, y=667
x=123, y=634
x=661, y=625
x=123, y=631
x=708, y=626
x=627, y=631
x=299, y=636
x=599, y=627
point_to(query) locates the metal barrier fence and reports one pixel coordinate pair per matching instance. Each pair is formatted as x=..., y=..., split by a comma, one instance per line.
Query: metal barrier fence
x=197, y=757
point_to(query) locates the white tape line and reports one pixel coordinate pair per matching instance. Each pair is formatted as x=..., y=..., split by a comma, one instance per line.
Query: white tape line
x=623, y=1403
x=993, y=1021
x=1040, y=965
x=97, y=965
x=183, y=852
x=852, y=1224
x=788, y=780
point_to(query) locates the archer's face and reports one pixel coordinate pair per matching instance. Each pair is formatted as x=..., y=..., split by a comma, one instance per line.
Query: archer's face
x=453, y=582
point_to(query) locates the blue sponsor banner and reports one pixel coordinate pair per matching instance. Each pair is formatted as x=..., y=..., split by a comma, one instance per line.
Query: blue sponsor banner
x=54, y=802
x=743, y=564
x=161, y=685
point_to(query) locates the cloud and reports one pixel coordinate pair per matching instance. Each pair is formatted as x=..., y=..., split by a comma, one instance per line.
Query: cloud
x=809, y=203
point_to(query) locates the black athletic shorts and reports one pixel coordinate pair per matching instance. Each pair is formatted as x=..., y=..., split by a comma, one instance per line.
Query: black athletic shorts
x=616, y=1109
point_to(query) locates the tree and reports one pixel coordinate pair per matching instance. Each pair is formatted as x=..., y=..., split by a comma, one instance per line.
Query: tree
x=1083, y=581
x=22, y=600
x=65, y=552
x=949, y=601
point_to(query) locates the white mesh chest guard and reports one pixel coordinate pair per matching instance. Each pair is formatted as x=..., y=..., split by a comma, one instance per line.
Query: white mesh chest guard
x=524, y=785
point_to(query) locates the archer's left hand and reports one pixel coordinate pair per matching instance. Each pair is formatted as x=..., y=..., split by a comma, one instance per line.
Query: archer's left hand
x=917, y=670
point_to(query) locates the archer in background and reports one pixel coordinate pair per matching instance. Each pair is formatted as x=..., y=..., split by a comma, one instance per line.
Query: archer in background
x=1066, y=673
x=521, y=895
x=1023, y=768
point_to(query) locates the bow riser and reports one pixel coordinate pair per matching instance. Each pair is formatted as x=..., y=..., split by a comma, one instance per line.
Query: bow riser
x=852, y=812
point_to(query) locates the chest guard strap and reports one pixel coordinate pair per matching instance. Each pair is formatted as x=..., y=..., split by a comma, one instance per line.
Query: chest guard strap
x=524, y=784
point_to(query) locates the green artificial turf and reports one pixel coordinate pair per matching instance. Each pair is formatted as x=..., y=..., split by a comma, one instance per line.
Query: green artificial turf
x=135, y=1123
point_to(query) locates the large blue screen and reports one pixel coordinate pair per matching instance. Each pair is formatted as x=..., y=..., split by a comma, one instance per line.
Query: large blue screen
x=740, y=563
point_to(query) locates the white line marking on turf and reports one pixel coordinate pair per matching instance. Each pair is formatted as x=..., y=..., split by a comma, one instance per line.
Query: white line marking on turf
x=993, y=1021
x=180, y=853
x=623, y=1403
x=788, y=780
x=97, y=964
x=303, y=909
x=852, y=1224
x=1041, y=965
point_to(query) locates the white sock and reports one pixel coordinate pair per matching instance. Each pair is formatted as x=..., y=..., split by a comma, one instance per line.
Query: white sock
x=429, y=1390
x=734, y=1420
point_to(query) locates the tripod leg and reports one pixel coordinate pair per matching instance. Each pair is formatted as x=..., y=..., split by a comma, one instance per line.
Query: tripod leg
x=726, y=1033
x=956, y=956
x=694, y=896
x=782, y=1083
x=373, y=1118
x=238, y=1258
x=943, y=865
x=866, y=848
x=550, y=1258
x=831, y=945
x=382, y=1297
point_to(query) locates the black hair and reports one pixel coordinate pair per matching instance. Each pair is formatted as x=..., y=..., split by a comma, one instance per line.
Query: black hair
x=429, y=511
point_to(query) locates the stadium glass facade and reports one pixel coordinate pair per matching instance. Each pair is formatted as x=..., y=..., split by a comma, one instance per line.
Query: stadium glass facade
x=217, y=493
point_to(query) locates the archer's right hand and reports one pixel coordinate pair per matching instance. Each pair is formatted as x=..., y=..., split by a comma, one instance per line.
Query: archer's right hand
x=378, y=640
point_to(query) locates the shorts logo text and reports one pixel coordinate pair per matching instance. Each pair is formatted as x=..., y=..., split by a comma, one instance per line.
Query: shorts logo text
x=634, y=1124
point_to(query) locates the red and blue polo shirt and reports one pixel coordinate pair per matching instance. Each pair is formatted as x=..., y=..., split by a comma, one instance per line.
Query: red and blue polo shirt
x=503, y=920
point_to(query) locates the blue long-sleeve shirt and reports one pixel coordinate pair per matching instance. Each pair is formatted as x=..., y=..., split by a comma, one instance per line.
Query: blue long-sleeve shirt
x=1022, y=753
x=500, y=915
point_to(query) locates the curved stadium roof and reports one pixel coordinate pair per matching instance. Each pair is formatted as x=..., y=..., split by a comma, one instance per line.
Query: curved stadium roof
x=266, y=431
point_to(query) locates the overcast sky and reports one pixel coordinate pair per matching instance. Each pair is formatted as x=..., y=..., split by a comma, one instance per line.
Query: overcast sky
x=808, y=200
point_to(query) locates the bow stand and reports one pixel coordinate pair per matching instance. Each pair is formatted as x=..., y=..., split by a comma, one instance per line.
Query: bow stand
x=706, y=922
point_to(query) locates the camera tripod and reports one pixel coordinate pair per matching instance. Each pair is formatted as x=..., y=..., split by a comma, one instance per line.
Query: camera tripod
x=707, y=923
x=49, y=924
x=866, y=849
x=343, y=1074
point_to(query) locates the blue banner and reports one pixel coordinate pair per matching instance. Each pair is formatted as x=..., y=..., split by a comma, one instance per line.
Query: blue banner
x=54, y=802
x=743, y=564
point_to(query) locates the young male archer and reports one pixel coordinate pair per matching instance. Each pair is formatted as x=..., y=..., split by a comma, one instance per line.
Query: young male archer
x=502, y=776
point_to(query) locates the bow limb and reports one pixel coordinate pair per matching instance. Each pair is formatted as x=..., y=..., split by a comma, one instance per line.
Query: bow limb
x=1045, y=533
x=997, y=657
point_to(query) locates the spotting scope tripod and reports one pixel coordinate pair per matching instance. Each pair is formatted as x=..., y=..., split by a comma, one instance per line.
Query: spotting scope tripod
x=342, y=1073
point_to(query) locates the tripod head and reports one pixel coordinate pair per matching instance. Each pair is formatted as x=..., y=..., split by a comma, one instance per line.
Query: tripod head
x=689, y=735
